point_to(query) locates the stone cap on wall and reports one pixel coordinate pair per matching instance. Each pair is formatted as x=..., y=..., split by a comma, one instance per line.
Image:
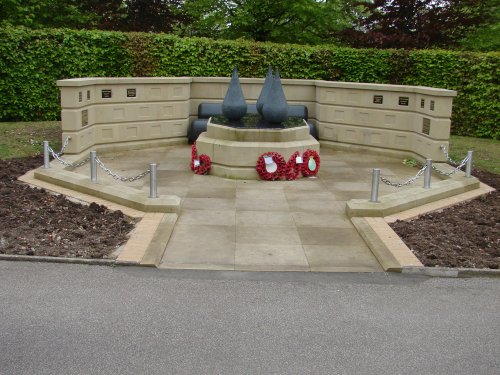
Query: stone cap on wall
x=75, y=82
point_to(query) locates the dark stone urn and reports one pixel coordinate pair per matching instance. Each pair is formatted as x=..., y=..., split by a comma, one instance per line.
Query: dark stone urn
x=234, y=106
x=275, y=109
x=268, y=82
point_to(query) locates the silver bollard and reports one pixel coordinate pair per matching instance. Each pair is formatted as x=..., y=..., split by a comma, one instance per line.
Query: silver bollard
x=153, y=180
x=93, y=166
x=427, y=174
x=46, y=160
x=375, y=183
x=468, y=166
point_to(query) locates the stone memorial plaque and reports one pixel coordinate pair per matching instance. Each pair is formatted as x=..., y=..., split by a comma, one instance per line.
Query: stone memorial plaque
x=106, y=94
x=131, y=93
x=432, y=105
x=80, y=96
x=422, y=103
x=85, y=118
x=426, y=126
x=88, y=94
x=378, y=99
x=404, y=100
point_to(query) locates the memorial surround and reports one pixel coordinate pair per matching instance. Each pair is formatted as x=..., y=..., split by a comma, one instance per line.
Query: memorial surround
x=110, y=114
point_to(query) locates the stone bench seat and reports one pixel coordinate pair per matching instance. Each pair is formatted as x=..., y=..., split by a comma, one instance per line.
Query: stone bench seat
x=207, y=110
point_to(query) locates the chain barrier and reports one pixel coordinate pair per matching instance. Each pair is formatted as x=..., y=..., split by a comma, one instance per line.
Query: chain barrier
x=117, y=176
x=406, y=183
x=57, y=155
x=63, y=148
x=456, y=169
x=445, y=152
x=65, y=144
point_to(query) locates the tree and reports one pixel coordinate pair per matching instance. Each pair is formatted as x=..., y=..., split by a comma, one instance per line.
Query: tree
x=44, y=13
x=415, y=23
x=122, y=15
x=295, y=21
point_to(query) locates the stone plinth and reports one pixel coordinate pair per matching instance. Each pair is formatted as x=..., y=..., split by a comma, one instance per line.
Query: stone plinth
x=234, y=151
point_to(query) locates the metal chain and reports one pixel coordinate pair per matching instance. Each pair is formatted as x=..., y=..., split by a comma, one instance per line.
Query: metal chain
x=406, y=183
x=457, y=168
x=65, y=144
x=117, y=176
x=445, y=152
x=56, y=156
x=63, y=148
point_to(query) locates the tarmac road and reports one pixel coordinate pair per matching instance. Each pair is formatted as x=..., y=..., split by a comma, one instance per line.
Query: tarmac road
x=78, y=319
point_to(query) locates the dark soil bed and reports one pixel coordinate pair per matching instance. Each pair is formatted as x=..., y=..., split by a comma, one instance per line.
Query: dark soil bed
x=465, y=235
x=35, y=222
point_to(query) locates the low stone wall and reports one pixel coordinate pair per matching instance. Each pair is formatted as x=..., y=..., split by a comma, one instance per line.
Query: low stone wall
x=114, y=112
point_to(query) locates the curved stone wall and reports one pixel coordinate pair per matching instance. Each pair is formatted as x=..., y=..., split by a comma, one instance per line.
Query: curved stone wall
x=141, y=112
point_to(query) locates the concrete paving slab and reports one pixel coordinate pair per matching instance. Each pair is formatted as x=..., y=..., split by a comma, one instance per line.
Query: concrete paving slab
x=207, y=217
x=201, y=244
x=330, y=236
x=272, y=257
x=316, y=205
x=208, y=203
x=320, y=219
x=341, y=259
x=262, y=204
x=253, y=218
x=267, y=235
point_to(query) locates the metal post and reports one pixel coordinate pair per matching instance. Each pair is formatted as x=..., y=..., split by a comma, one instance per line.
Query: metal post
x=375, y=183
x=46, y=160
x=93, y=166
x=468, y=166
x=153, y=181
x=427, y=174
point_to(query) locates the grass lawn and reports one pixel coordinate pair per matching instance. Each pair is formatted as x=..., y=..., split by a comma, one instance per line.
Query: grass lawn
x=486, y=154
x=20, y=139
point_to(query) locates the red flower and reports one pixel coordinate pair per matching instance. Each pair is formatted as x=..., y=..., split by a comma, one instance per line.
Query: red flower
x=308, y=154
x=292, y=169
x=280, y=166
x=204, y=162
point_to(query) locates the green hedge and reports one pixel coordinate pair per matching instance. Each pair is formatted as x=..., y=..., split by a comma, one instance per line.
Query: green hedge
x=31, y=62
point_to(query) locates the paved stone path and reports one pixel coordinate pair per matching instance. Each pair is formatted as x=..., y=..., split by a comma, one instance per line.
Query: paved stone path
x=264, y=225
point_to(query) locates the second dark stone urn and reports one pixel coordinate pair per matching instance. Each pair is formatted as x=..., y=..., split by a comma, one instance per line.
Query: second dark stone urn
x=275, y=109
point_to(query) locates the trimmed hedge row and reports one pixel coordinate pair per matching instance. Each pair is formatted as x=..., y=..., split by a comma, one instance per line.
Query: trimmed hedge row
x=31, y=61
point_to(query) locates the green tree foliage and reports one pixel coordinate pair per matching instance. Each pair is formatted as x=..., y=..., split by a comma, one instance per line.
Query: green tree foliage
x=44, y=13
x=138, y=15
x=122, y=15
x=416, y=23
x=293, y=21
x=486, y=35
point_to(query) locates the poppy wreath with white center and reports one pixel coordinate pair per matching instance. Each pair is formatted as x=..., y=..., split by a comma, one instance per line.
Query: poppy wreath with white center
x=306, y=172
x=204, y=161
x=280, y=166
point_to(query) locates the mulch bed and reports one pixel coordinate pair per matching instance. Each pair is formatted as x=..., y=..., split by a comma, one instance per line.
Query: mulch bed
x=36, y=222
x=465, y=235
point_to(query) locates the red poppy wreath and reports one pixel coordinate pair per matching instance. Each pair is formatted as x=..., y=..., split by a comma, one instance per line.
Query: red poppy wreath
x=270, y=166
x=199, y=164
x=292, y=168
x=310, y=165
